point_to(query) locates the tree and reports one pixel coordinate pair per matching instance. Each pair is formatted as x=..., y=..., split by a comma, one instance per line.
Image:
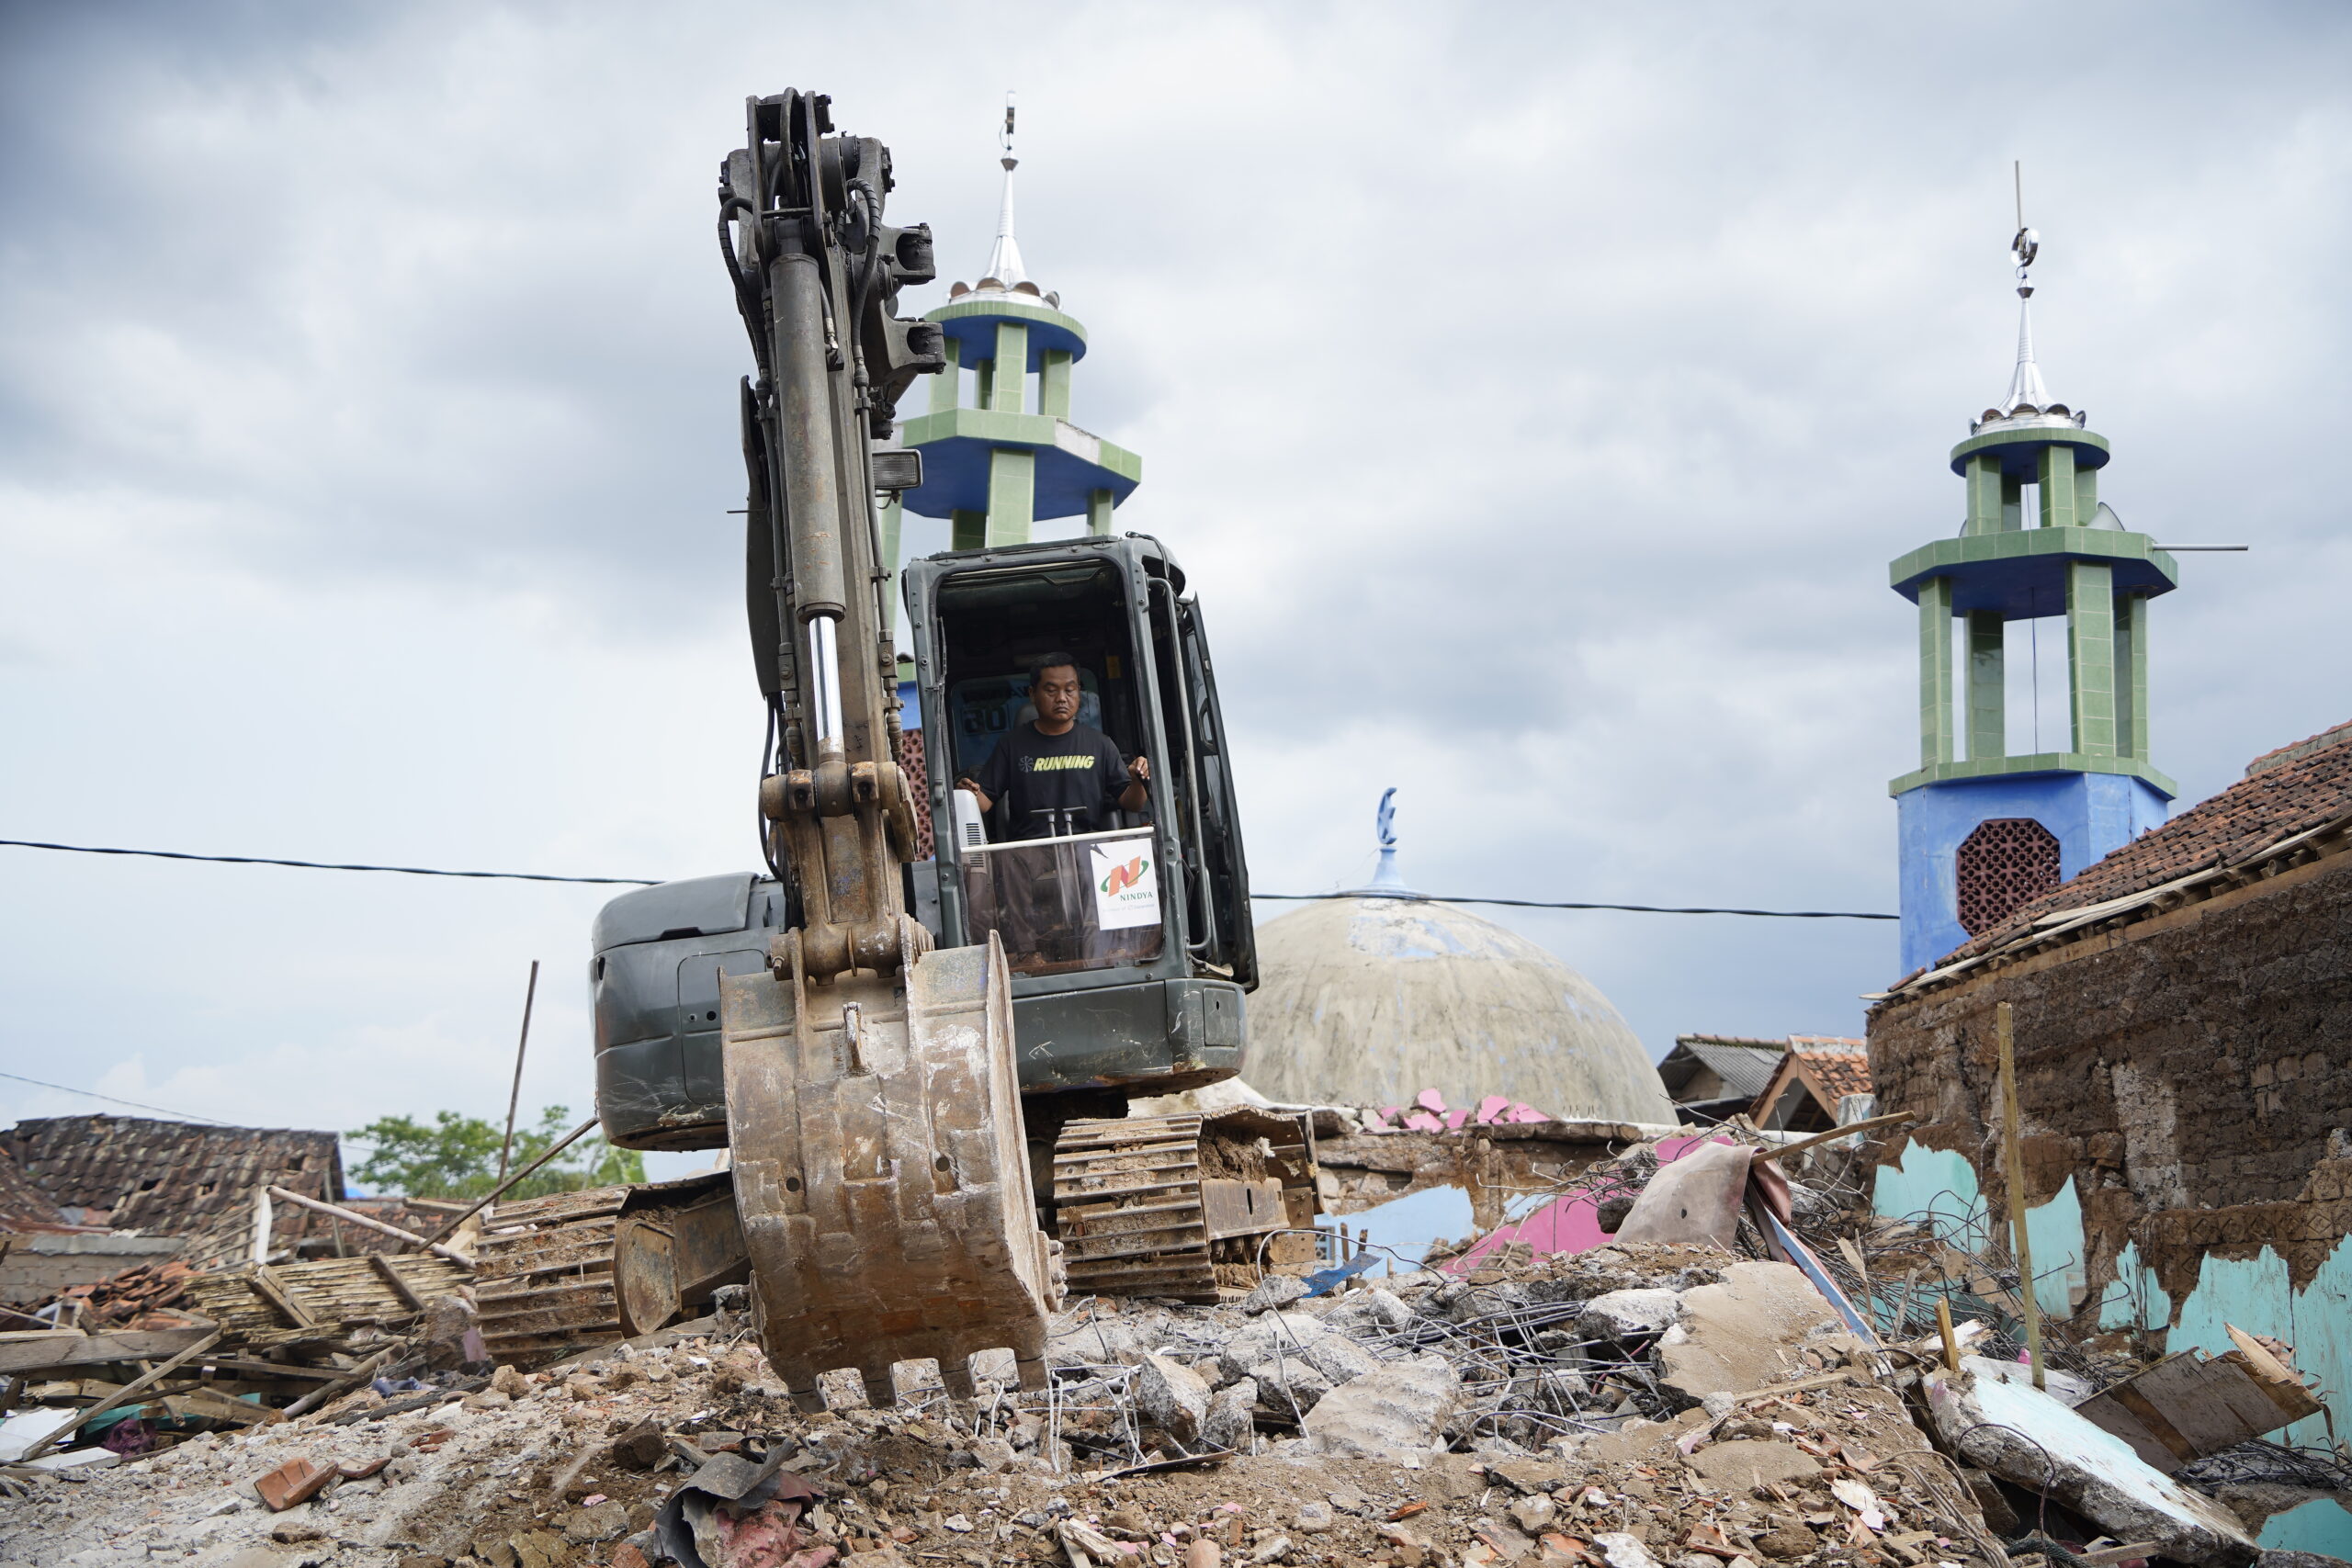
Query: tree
x=456, y=1157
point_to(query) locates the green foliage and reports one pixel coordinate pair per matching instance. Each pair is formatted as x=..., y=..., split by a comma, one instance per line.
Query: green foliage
x=456, y=1157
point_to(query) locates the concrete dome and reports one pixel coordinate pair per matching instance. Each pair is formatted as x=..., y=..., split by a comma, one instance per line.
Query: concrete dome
x=1369, y=1001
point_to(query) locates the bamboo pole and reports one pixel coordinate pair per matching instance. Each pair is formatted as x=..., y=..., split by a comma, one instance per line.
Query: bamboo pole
x=500, y=1190
x=2013, y=1158
x=514, y=1095
x=338, y=1212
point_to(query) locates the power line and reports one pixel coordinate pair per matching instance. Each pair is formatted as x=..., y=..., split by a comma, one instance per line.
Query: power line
x=330, y=865
x=1632, y=908
x=116, y=1100
x=649, y=882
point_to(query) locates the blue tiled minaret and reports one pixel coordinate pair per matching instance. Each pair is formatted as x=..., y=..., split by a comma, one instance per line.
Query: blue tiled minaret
x=1983, y=830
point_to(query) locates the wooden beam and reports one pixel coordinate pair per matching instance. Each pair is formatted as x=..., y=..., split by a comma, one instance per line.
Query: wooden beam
x=273, y=1290
x=392, y=1277
x=352, y=1378
x=127, y=1394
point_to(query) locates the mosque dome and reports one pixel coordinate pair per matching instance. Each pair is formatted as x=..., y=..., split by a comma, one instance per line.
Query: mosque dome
x=1370, y=999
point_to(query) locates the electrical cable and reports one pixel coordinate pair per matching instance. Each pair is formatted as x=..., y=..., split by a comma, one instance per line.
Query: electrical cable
x=1632, y=908
x=330, y=865
x=116, y=1100
x=651, y=882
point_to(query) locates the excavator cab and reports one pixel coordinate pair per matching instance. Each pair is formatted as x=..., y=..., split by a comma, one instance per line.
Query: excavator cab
x=1130, y=946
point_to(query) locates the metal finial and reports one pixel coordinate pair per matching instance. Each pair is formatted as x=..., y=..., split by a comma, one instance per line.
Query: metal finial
x=1004, y=258
x=2027, y=243
x=1385, y=823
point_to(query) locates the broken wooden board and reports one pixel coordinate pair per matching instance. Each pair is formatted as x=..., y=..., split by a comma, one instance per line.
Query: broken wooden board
x=2186, y=1406
x=59, y=1352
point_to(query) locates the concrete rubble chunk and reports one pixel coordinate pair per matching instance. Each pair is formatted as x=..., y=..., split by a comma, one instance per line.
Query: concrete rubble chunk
x=1394, y=1413
x=1619, y=1550
x=1272, y=1293
x=1294, y=1386
x=1527, y=1476
x=1174, y=1396
x=2025, y=1437
x=1373, y=1309
x=1230, y=1426
x=1629, y=1315
x=1744, y=1332
x=1290, y=1332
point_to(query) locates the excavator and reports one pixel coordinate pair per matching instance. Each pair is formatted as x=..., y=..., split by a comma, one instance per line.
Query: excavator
x=920, y=1065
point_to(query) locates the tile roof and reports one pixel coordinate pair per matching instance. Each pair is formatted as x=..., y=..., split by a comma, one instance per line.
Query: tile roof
x=21, y=1202
x=2284, y=793
x=1834, y=1066
x=1744, y=1065
x=1826, y=1068
x=167, y=1178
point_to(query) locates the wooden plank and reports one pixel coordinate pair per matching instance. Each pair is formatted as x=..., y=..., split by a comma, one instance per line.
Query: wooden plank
x=58, y=1353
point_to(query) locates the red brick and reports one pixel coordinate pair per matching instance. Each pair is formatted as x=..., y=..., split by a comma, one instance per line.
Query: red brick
x=295, y=1482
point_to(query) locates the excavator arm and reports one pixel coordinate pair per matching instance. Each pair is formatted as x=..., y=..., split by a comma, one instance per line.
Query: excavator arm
x=872, y=1098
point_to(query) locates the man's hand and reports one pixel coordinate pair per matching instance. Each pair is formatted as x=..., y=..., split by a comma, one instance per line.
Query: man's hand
x=1140, y=771
x=980, y=795
x=1135, y=796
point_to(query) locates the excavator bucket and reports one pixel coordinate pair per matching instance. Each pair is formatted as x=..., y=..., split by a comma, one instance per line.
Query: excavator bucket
x=880, y=1177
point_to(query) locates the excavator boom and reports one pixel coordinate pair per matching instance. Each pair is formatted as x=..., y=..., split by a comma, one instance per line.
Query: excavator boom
x=872, y=1104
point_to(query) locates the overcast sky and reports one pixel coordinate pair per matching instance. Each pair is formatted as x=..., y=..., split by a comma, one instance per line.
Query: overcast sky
x=1536, y=396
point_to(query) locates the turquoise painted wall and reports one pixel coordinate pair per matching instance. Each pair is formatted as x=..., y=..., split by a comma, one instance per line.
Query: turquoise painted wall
x=2255, y=1294
x=1940, y=1187
x=2318, y=1526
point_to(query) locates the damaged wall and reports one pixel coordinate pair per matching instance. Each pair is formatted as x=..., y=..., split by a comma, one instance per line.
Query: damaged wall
x=2185, y=1094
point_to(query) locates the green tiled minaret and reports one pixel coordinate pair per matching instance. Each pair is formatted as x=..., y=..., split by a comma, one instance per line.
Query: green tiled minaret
x=1010, y=458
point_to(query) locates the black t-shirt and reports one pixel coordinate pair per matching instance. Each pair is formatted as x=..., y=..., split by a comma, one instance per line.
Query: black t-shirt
x=1077, y=775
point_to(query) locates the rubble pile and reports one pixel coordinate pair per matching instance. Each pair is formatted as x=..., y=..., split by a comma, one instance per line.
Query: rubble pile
x=1634, y=1405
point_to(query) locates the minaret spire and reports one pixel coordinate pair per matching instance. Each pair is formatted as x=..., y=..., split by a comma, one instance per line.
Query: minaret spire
x=1004, y=258
x=2028, y=394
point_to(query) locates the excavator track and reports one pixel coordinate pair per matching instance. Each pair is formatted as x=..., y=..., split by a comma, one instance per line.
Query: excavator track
x=1175, y=1206
x=543, y=1275
x=1127, y=1201
x=879, y=1173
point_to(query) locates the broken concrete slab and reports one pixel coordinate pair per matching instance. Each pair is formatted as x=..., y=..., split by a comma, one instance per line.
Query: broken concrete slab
x=2064, y=1387
x=1744, y=1332
x=1746, y=1463
x=2024, y=1436
x=1394, y=1413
